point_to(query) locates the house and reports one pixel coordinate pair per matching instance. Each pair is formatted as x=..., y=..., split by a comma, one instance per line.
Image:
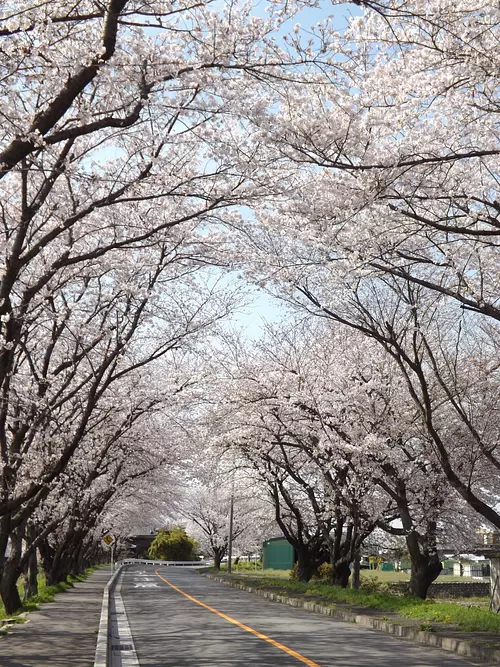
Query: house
x=138, y=545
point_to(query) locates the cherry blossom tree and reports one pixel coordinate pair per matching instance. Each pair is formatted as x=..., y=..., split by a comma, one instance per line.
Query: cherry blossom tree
x=278, y=428
x=391, y=230
x=328, y=423
x=123, y=142
x=397, y=148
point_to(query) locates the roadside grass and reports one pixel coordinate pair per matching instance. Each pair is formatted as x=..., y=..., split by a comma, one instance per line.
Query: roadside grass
x=388, y=577
x=381, y=575
x=466, y=619
x=45, y=593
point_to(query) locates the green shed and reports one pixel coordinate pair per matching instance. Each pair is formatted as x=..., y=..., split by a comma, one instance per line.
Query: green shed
x=278, y=554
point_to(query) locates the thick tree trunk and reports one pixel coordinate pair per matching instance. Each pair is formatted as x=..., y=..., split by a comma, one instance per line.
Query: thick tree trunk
x=424, y=571
x=11, y=573
x=31, y=577
x=425, y=565
x=217, y=561
x=30, y=565
x=59, y=570
x=341, y=552
x=5, y=523
x=8, y=588
x=305, y=570
x=341, y=574
x=308, y=561
x=47, y=554
x=73, y=553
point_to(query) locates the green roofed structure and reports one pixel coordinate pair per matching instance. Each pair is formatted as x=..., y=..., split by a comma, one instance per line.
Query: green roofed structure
x=278, y=554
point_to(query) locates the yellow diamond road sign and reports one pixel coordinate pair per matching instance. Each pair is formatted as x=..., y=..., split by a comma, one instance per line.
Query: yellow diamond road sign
x=108, y=540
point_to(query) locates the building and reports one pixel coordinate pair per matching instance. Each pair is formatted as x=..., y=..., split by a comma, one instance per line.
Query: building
x=278, y=554
x=137, y=545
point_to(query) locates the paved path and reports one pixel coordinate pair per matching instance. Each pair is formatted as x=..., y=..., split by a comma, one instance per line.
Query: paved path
x=171, y=630
x=63, y=633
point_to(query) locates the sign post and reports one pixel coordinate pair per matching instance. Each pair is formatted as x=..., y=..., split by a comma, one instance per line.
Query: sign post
x=109, y=541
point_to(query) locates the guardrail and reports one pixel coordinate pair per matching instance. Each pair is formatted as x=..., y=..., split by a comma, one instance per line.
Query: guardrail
x=102, y=653
x=102, y=648
x=142, y=561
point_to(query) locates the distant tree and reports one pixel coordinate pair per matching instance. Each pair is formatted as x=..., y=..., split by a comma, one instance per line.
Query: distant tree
x=173, y=544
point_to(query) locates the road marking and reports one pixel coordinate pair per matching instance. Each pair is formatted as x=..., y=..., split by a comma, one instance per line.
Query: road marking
x=282, y=647
x=121, y=642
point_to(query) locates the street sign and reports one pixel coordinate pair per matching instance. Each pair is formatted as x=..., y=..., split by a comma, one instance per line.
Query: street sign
x=108, y=540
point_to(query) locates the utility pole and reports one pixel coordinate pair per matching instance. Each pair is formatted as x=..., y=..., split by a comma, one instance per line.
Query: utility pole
x=230, y=544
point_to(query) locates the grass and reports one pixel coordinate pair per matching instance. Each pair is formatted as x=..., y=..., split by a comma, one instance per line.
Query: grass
x=243, y=567
x=404, y=576
x=381, y=575
x=466, y=619
x=45, y=593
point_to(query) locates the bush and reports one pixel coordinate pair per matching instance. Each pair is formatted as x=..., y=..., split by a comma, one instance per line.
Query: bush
x=243, y=566
x=173, y=544
x=370, y=584
x=324, y=572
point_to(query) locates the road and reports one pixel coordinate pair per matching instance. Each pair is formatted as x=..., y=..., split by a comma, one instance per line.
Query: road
x=230, y=628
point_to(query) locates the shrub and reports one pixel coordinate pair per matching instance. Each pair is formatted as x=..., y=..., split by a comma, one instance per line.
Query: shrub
x=173, y=544
x=245, y=565
x=370, y=584
x=374, y=585
x=324, y=572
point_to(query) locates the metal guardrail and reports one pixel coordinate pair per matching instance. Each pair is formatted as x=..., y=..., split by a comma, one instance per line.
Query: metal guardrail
x=102, y=653
x=142, y=561
x=102, y=648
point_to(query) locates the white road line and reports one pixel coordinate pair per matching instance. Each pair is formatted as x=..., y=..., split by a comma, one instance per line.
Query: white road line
x=122, y=653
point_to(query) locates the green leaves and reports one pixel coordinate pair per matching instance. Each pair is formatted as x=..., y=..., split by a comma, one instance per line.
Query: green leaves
x=173, y=544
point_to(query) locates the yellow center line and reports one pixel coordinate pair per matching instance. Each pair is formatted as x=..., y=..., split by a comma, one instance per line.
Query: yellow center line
x=282, y=647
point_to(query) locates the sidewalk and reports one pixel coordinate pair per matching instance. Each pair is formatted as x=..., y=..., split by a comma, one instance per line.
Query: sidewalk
x=62, y=633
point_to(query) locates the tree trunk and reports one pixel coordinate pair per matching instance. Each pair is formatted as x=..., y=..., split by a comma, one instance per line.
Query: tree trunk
x=341, y=574
x=11, y=573
x=59, y=571
x=305, y=570
x=425, y=566
x=30, y=564
x=8, y=589
x=31, y=577
x=5, y=524
x=308, y=563
x=47, y=554
x=217, y=561
x=423, y=572
x=340, y=548
x=356, y=576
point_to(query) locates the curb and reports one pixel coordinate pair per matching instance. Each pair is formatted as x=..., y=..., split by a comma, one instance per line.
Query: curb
x=459, y=646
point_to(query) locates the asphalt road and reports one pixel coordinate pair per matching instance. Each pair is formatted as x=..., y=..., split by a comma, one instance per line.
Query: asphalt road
x=171, y=630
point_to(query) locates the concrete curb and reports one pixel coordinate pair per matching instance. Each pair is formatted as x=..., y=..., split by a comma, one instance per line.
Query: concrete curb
x=459, y=646
x=102, y=647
